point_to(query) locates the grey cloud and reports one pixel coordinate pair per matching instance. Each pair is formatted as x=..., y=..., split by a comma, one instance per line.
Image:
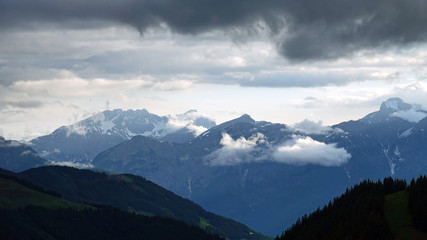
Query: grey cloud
x=331, y=29
x=297, y=78
x=105, y=65
x=302, y=30
x=25, y=104
x=18, y=71
x=6, y=102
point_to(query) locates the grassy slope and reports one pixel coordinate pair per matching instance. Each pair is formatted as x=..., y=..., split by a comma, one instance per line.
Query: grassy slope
x=26, y=213
x=15, y=195
x=397, y=215
x=130, y=192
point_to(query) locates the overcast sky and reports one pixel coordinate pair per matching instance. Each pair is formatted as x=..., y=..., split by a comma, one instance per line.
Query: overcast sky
x=281, y=61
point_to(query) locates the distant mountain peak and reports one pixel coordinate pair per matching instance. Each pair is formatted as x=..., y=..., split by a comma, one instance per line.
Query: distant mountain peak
x=245, y=118
x=394, y=104
x=83, y=140
x=395, y=108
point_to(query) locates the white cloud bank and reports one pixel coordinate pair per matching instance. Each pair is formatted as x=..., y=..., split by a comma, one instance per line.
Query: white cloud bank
x=242, y=143
x=70, y=164
x=311, y=127
x=415, y=114
x=297, y=151
x=237, y=151
x=301, y=151
x=187, y=120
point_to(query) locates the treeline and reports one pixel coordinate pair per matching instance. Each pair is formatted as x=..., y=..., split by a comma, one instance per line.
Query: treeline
x=417, y=202
x=356, y=214
x=102, y=222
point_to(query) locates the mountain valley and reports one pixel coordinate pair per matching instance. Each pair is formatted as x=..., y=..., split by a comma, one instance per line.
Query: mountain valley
x=250, y=170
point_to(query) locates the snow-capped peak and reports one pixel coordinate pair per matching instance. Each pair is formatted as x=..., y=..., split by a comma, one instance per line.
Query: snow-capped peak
x=394, y=108
x=130, y=123
x=394, y=105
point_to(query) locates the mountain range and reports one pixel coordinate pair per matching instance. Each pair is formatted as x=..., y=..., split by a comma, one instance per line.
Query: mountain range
x=260, y=169
x=255, y=170
x=239, y=178
x=389, y=142
x=82, y=141
x=16, y=156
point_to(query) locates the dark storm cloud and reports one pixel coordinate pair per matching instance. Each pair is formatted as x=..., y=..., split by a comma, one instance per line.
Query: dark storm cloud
x=302, y=29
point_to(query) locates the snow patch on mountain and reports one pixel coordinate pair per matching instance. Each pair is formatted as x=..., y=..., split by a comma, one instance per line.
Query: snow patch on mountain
x=396, y=151
x=129, y=133
x=77, y=128
x=392, y=103
x=389, y=159
x=160, y=129
x=394, y=108
x=206, y=133
x=189, y=187
x=130, y=123
x=106, y=126
x=406, y=133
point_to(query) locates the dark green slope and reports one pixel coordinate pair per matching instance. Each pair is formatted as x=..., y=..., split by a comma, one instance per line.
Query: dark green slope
x=135, y=194
x=417, y=202
x=359, y=213
x=26, y=213
x=15, y=195
x=383, y=210
x=399, y=218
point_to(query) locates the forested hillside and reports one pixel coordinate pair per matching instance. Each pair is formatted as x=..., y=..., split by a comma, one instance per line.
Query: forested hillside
x=356, y=214
x=417, y=202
